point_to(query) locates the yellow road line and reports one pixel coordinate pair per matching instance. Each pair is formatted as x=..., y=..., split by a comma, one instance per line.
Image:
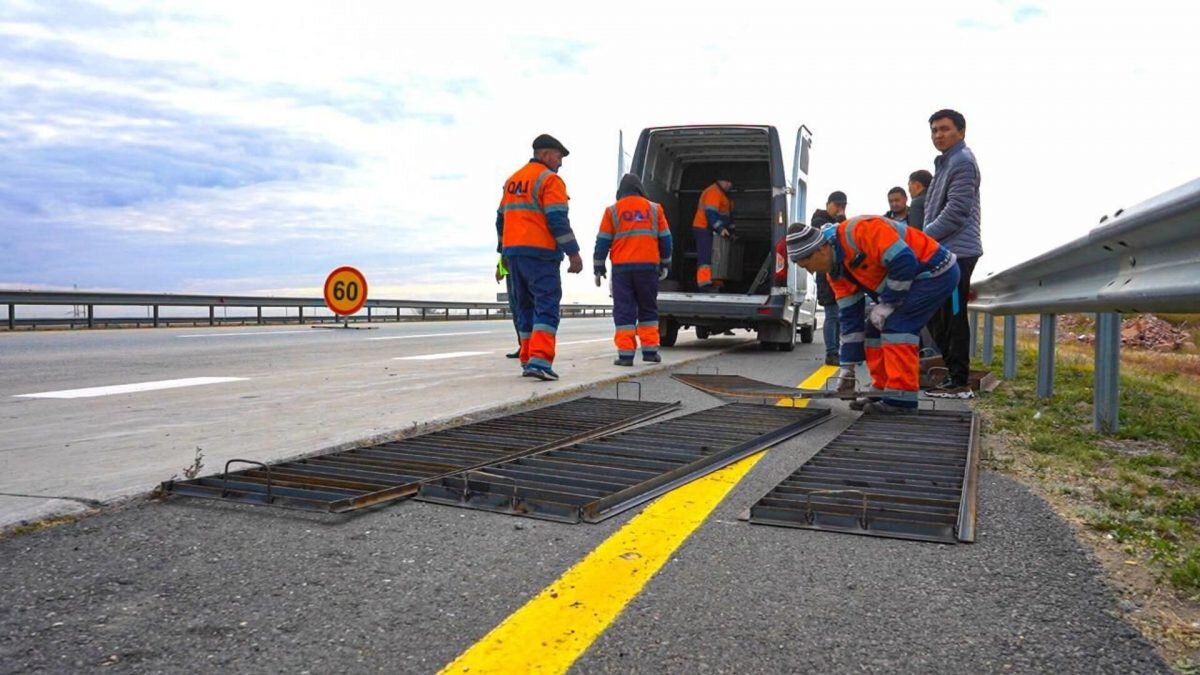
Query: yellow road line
x=554, y=628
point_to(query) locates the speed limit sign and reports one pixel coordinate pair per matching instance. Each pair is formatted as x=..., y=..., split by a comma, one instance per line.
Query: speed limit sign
x=345, y=291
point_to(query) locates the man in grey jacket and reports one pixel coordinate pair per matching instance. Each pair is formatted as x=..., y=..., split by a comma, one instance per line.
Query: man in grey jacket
x=952, y=215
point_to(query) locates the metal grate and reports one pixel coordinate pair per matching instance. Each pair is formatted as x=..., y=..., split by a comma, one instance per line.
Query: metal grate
x=910, y=477
x=736, y=386
x=596, y=479
x=375, y=474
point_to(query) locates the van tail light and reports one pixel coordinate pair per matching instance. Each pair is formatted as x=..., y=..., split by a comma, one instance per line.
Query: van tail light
x=765, y=311
x=780, y=262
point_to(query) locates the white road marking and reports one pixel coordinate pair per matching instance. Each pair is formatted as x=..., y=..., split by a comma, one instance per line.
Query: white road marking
x=582, y=342
x=426, y=335
x=265, y=332
x=131, y=388
x=435, y=357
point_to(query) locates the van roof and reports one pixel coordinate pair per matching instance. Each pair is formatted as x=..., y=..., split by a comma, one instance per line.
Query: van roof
x=711, y=142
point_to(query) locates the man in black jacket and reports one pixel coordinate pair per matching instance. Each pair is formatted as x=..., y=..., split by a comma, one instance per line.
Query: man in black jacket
x=833, y=213
x=918, y=183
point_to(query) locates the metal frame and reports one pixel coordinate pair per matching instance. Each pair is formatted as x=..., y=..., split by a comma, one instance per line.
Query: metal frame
x=91, y=300
x=1143, y=259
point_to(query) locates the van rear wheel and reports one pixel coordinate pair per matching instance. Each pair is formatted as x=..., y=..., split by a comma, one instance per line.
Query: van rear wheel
x=669, y=333
x=702, y=332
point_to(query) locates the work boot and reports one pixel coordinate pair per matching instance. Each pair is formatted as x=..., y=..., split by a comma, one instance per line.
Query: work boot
x=950, y=390
x=882, y=408
x=651, y=357
x=859, y=403
x=623, y=362
x=832, y=360
x=513, y=355
x=545, y=374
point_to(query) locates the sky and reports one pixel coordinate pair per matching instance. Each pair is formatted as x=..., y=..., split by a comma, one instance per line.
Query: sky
x=249, y=148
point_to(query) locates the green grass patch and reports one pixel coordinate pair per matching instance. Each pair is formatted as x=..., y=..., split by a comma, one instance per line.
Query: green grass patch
x=1140, y=485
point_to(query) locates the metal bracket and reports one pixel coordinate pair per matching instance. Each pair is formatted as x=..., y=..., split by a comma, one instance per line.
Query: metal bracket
x=809, y=516
x=512, y=500
x=225, y=476
x=629, y=382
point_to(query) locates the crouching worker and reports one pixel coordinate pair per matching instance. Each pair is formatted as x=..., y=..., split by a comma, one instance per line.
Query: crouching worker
x=907, y=274
x=636, y=234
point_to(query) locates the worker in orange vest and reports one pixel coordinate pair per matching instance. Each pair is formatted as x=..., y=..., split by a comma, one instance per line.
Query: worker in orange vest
x=906, y=272
x=635, y=232
x=712, y=216
x=532, y=233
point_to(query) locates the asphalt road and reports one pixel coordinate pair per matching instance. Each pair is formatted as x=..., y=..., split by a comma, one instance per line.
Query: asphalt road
x=299, y=390
x=196, y=586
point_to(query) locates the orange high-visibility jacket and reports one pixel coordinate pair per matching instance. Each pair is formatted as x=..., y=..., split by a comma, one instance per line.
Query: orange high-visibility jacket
x=882, y=258
x=532, y=218
x=637, y=231
x=713, y=209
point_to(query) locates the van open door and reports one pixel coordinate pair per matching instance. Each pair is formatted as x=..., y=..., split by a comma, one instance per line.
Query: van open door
x=800, y=175
x=620, y=156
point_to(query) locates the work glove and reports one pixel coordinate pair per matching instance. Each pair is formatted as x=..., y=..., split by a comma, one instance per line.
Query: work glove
x=598, y=278
x=662, y=273
x=879, y=314
x=847, y=383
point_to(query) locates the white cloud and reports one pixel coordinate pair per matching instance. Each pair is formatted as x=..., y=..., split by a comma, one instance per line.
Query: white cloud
x=1074, y=110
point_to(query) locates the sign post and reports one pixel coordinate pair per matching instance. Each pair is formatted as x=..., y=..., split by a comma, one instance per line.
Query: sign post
x=345, y=292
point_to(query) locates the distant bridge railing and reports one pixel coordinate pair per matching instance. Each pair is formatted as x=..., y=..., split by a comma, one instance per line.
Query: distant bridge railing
x=1143, y=259
x=85, y=304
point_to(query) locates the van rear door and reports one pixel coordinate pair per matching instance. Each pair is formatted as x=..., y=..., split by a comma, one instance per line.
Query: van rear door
x=800, y=175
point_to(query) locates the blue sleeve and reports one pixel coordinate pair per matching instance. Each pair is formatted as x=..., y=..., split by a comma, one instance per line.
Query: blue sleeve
x=603, y=244
x=959, y=194
x=560, y=227
x=851, y=322
x=716, y=221
x=499, y=231
x=901, y=265
x=664, y=249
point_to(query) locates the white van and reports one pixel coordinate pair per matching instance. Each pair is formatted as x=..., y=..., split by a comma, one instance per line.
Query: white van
x=675, y=165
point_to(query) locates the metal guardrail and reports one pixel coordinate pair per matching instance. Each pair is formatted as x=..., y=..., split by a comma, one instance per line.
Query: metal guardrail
x=1143, y=259
x=441, y=309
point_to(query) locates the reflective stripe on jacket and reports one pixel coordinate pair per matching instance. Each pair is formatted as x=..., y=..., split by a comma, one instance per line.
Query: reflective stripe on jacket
x=636, y=232
x=882, y=258
x=532, y=218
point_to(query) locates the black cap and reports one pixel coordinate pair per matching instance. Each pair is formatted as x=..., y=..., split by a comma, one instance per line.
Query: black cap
x=837, y=197
x=548, y=142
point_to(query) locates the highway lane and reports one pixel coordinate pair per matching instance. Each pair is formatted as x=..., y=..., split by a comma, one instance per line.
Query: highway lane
x=280, y=393
x=197, y=586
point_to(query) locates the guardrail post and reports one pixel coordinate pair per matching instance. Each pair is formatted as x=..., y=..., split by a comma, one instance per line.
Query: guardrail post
x=91, y=316
x=156, y=316
x=212, y=315
x=422, y=313
x=12, y=316
x=1107, y=372
x=973, y=324
x=1046, y=342
x=1010, y=347
x=300, y=313
x=989, y=328
x=259, y=308
x=368, y=315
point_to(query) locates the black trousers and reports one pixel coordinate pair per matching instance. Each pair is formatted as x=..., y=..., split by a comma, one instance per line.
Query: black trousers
x=951, y=331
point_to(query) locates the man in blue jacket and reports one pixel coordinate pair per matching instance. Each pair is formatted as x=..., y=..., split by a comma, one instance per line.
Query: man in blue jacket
x=952, y=218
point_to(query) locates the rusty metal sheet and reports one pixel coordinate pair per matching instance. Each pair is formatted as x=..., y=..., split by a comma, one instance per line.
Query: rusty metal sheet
x=375, y=474
x=737, y=386
x=908, y=477
x=599, y=478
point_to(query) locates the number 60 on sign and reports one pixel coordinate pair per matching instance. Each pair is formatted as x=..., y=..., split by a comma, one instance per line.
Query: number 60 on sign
x=345, y=291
